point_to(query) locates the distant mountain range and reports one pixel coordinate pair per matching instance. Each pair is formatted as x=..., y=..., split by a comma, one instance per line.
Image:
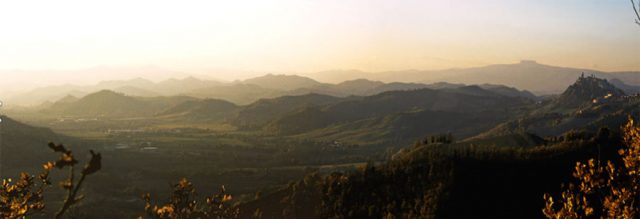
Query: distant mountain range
x=408, y=111
x=527, y=75
x=365, y=111
x=515, y=79
x=530, y=76
x=134, y=87
x=474, y=112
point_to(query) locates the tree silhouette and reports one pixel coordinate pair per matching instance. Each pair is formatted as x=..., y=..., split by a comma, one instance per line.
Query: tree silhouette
x=184, y=204
x=636, y=9
x=26, y=196
x=605, y=191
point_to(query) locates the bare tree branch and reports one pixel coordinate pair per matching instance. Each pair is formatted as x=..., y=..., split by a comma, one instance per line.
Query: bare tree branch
x=636, y=10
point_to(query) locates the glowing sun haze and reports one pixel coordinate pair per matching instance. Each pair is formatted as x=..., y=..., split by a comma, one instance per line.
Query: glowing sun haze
x=305, y=36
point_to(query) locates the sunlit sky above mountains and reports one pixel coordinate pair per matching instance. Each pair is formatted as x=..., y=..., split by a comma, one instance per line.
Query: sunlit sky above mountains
x=215, y=38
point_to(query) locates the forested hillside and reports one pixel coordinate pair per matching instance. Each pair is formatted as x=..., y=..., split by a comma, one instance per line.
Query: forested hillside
x=434, y=179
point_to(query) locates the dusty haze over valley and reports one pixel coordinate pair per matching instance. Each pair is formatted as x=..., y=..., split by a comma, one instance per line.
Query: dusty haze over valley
x=260, y=109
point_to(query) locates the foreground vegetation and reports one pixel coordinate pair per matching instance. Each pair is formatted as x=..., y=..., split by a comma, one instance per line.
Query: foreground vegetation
x=25, y=196
x=437, y=180
x=603, y=188
x=433, y=178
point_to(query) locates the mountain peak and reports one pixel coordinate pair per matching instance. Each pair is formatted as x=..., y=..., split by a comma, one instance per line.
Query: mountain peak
x=528, y=62
x=106, y=93
x=595, y=85
x=282, y=82
x=68, y=99
x=361, y=82
x=279, y=76
x=588, y=89
x=140, y=80
x=191, y=78
x=103, y=95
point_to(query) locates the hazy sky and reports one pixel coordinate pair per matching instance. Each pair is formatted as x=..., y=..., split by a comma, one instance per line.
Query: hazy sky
x=305, y=36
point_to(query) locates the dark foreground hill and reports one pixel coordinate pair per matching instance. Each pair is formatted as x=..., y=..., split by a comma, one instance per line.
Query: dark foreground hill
x=435, y=180
x=23, y=145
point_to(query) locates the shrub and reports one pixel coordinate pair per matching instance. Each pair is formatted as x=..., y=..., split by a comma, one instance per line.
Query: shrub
x=605, y=191
x=25, y=197
x=184, y=204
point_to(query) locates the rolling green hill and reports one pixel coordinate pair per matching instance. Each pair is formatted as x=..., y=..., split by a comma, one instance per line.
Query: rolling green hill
x=261, y=112
x=107, y=103
x=406, y=127
x=241, y=94
x=466, y=110
x=508, y=91
x=200, y=110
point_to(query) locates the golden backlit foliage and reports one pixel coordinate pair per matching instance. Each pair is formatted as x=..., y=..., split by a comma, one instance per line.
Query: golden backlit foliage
x=184, y=204
x=25, y=196
x=603, y=190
